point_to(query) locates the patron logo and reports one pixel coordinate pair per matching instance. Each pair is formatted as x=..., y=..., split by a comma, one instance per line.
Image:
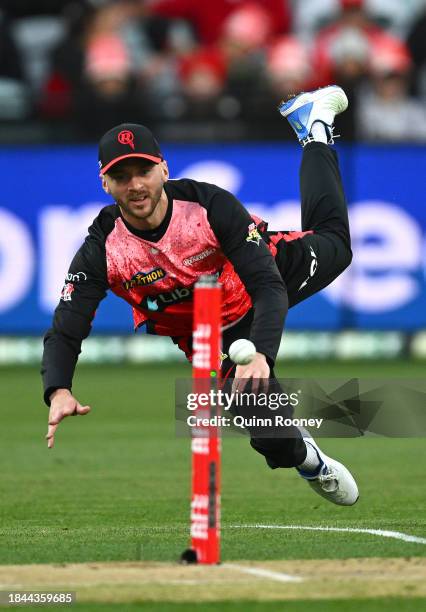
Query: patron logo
x=253, y=234
x=199, y=256
x=157, y=303
x=140, y=279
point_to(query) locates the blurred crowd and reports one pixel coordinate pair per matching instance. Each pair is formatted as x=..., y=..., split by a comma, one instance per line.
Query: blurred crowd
x=202, y=70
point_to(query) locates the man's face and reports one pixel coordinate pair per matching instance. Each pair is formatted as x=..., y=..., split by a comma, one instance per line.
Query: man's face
x=136, y=185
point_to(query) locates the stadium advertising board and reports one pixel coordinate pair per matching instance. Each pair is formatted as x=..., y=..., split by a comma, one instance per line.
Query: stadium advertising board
x=51, y=194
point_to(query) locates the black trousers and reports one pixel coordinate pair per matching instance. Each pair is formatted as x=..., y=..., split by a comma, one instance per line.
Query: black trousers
x=308, y=261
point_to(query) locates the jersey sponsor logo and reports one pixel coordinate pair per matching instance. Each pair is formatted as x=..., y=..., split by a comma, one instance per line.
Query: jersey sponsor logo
x=199, y=256
x=75, y=278
x=152, y=303
x=126, y=137
x=253, y=234
x=157, y=303
x=312, y=269
x=140, y=279
x=66, y=293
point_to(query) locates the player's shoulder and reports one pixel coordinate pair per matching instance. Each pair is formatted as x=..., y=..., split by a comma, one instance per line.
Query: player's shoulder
x=195, y=191
x=104, y=223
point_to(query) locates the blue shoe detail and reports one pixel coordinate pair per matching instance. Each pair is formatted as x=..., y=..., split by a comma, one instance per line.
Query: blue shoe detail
x=322, y=105
x=299, y=119
x=284, y=106
x=312, y=475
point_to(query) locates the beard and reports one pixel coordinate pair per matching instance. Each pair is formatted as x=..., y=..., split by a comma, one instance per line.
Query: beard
x=141, y=205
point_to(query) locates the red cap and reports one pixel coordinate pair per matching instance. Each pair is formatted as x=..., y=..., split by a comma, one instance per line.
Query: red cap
x=127, y=140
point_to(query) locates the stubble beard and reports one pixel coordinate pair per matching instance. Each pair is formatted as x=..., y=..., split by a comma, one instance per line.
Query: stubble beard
x=141, y=215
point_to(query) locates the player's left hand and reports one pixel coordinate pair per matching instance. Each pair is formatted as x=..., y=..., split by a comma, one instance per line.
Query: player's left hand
x=258, y=370
x=62, y=404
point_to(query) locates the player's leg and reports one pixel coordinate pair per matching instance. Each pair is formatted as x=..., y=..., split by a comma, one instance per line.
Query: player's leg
x=310, y=260
x=285, y=450
x=290, y=446
x=286, y=447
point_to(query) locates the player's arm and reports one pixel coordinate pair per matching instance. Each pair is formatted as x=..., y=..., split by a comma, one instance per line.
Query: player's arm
x=85, y=286
x=256, y=268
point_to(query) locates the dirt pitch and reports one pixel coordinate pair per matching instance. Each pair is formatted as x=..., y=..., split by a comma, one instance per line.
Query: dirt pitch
x=274, y=580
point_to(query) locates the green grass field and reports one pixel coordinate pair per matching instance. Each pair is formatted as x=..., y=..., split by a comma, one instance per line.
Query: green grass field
x=116, y=489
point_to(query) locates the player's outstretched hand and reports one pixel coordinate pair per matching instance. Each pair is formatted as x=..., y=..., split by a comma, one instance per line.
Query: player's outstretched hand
x=258, y=369
x=62, y=404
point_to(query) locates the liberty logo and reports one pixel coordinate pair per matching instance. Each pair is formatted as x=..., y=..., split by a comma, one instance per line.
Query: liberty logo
x=160, y=301
x=152, y=304
x=126, y=137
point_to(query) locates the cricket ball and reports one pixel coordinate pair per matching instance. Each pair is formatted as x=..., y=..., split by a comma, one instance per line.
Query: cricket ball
x=242, y=351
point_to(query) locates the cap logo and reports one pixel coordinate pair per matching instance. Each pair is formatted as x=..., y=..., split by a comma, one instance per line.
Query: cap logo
x=126, y=137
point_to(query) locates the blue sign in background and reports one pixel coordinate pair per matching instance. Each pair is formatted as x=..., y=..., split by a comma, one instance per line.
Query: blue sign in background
x=377, y=295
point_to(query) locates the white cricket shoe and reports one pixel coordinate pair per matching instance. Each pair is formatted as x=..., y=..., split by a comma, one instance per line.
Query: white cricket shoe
x=320, y=105
x=332, y=480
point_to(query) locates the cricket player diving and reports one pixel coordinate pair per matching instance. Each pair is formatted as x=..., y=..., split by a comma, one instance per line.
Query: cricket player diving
x=151, y=246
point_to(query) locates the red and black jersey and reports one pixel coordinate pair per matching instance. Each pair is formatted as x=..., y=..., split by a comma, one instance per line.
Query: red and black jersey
x=206, y=230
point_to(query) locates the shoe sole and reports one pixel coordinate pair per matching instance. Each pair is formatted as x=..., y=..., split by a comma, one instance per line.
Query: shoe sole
x=308, y=97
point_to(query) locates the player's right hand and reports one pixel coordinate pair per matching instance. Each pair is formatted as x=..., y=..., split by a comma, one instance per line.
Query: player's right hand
x=62, y=404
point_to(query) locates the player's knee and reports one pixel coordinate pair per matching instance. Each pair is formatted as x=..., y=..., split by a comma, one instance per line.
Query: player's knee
x=345, y=257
